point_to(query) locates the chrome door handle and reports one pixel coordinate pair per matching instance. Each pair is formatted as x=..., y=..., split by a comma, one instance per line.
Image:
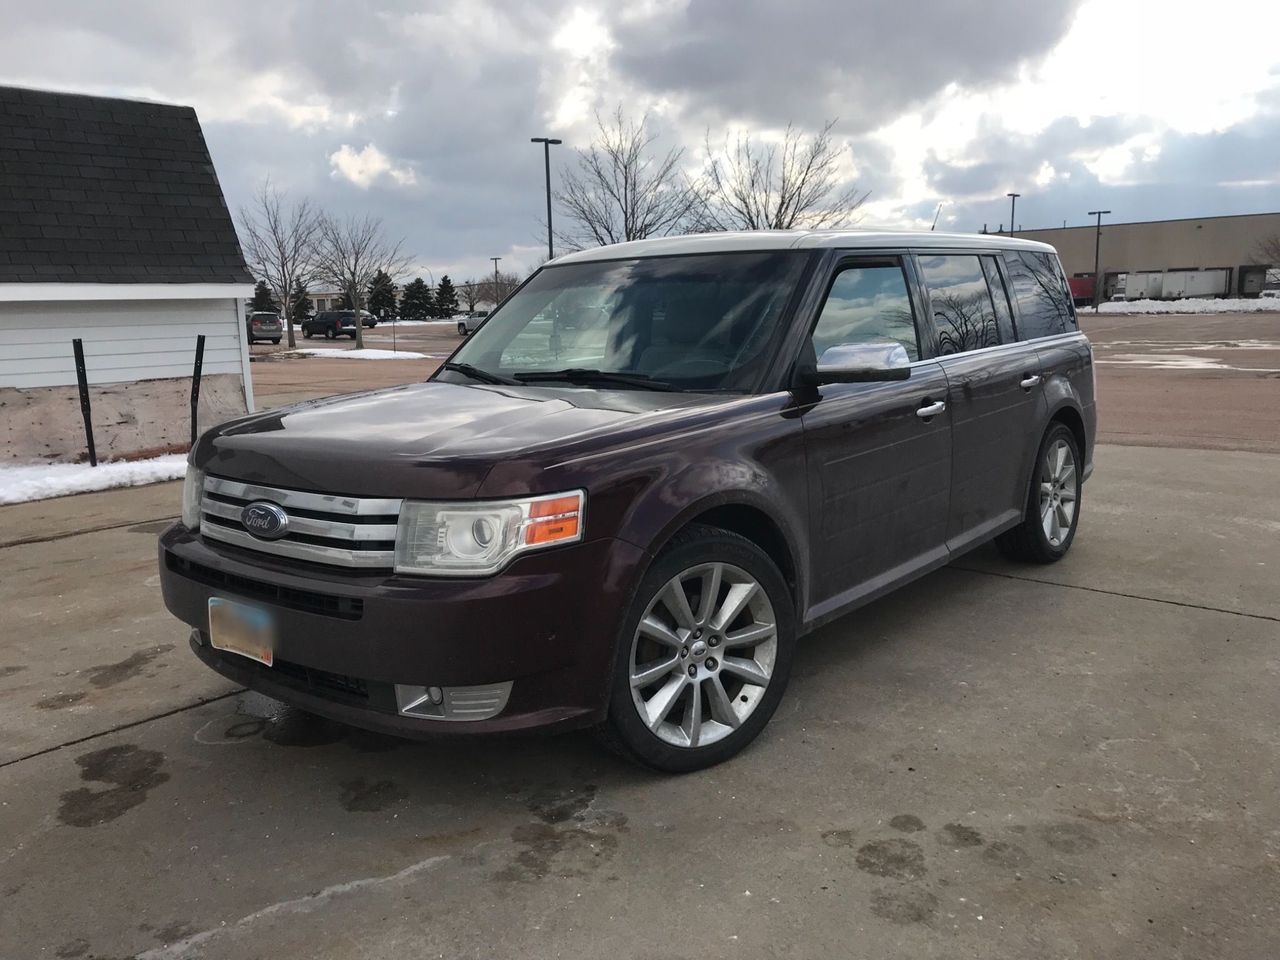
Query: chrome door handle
x=931, y=409
x=1030, y=380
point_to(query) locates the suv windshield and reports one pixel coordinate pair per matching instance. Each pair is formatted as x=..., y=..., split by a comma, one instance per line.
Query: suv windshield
x=687, y=323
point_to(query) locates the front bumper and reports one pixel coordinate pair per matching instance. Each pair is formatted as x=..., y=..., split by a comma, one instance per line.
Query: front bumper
x=547, y=624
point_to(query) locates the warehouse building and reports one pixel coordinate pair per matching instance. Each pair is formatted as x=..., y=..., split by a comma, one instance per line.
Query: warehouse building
x=114, y=232
x=1139, y=253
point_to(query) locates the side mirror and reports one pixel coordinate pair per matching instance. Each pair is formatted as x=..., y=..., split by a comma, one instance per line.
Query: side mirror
x=860, y=363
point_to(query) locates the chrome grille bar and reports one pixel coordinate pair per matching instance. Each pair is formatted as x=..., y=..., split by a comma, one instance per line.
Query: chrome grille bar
x=357, y=532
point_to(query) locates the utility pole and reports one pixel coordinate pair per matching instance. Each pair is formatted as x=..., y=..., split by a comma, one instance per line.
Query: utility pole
x=547, y=143
x=1097, y=250
x=496, y=297
x=1013, y=205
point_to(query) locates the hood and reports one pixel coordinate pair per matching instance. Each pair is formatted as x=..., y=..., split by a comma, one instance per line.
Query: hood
x=425, y=440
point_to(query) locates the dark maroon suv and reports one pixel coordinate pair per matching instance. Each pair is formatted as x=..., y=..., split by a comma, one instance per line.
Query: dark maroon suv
x=634, y=487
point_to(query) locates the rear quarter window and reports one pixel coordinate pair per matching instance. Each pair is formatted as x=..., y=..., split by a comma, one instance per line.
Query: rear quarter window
x=1044, y=302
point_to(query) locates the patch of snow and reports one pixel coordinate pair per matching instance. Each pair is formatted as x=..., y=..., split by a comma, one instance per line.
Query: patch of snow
x=1177, y=361
x=365, y=354
x=1259, y=305
x=418, y=323
x=22, y=482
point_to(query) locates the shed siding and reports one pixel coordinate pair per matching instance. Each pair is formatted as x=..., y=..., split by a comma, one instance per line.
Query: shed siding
x=124, y=340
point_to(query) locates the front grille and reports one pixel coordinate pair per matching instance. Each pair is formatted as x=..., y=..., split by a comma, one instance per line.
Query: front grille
x=322, y=528
x=308, y=601
x=322, y=683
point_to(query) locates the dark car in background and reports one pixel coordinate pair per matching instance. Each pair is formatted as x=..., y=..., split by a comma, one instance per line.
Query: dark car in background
x=330, y=324
x=263, y=325
x=627, y=495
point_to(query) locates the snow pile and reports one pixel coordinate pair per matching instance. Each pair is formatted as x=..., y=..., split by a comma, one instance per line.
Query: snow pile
x=418, y=323
x=1258, y=305
x=40, y=481
x=365, y=354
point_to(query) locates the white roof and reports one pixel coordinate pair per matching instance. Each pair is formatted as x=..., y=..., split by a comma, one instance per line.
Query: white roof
x=735, y=242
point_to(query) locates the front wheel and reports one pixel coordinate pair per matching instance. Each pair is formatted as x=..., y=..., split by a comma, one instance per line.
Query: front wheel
x=462, y=329
x=275, y=341
x=306, y=332
x=704, y=655
x=1053, y=502
x=328, y=333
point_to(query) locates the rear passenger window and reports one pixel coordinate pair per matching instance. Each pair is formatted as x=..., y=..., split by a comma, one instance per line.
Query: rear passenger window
x=867, y=304
x=1044, y=304
x=961, y=303
x=1000, y=297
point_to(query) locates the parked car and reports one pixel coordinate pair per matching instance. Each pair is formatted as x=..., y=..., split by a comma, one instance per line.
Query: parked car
x=263, y=325
x=330, y=324
x=366, y=318
x=467, y=322
x=624, y=498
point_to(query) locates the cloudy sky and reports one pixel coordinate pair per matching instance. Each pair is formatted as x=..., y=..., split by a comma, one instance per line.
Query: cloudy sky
x=420, y=112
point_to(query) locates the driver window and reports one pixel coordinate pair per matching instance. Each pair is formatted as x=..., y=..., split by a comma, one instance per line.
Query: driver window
x=867, y=304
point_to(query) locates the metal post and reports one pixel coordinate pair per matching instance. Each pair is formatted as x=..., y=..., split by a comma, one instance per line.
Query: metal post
x=83, y=380
x=1097, y=250
x=1013, y=205
x=195, y=385
x=495, y=279
x=546, y=160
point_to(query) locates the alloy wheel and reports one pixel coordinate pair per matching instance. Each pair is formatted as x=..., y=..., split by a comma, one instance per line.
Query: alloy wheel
x=703, y=655
x=1058, y=492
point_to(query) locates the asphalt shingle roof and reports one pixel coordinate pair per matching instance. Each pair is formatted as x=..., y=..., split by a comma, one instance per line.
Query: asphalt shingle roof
x=102, y=190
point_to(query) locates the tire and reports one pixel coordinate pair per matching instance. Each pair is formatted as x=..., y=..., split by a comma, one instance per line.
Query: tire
x=1043, y=537
x=462, y=329
x=306, y=332
x=670, y=650
x=275, y=342
x=328, y=333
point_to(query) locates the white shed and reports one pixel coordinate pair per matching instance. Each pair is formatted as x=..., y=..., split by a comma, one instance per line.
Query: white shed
x=113, y=231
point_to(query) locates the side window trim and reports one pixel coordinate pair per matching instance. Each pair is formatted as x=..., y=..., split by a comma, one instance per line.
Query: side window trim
x=903, y=260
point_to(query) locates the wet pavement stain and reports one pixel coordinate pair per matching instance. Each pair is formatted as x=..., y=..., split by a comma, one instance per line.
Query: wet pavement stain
x=906, y=823
x=131, y=666
x=1068, y=837
x=1003, y=854
x=360, y=796
x=959, y=835
x=72, y=948
x=294, y=728
x=130, y=770
x=569, y=839
x=894, y=857
x=839, y=838
x=905, y=905
x=60, y=701
x=10, y=671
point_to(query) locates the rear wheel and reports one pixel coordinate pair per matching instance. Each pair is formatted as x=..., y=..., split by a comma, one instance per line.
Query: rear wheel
x=462, y=329
x=275, y=341
x=1053, y=502
x=704, y=655
x=306, y=332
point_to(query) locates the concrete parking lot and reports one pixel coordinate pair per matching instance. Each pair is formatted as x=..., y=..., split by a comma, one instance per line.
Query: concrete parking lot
x=1000, y=761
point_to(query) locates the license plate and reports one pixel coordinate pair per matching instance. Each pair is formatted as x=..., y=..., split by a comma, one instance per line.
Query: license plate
x=242, y=629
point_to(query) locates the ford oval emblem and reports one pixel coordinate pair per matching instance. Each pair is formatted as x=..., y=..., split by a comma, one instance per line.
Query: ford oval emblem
x=264, y=520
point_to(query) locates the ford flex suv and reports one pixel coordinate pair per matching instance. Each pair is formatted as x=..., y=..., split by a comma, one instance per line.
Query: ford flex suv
x=627, y=494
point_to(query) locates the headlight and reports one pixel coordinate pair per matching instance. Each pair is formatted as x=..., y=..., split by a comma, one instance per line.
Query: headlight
x=475, y=539
x=192, y=490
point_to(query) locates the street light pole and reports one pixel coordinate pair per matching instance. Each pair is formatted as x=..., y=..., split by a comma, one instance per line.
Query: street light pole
x=1013, y=205
x=1097, y=250
x=547, y=143
x=495, y=279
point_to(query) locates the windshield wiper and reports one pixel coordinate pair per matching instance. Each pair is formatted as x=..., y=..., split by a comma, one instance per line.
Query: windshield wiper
x=475, y=373
x=583, y=375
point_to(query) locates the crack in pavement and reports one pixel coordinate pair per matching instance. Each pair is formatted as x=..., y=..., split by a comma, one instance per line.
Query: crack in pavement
x=29, y=541
x=303, y=904
x=122, y=726
x=1119, y=593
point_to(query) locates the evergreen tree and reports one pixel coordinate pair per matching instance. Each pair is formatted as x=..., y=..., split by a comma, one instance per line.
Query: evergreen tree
x=262, y=299
x=381, y=300
x=300, y=305
x=446, y=298
x=416, y=302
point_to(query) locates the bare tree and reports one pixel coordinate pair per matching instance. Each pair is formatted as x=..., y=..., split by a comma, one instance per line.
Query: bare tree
x=777, y=186
x=622, y=189
x=279, y=241
x=471, y=293
x=1268, y=251
x=351, y=252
